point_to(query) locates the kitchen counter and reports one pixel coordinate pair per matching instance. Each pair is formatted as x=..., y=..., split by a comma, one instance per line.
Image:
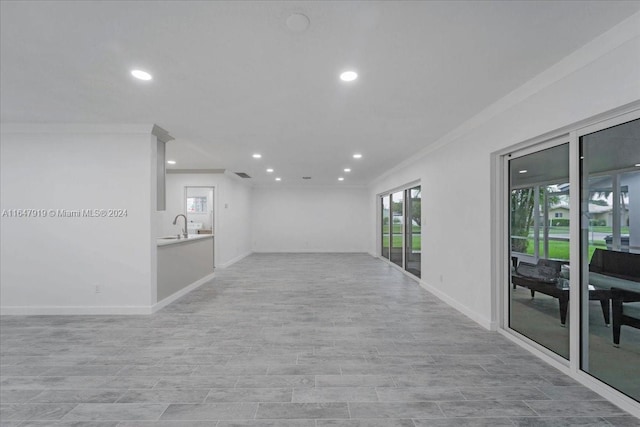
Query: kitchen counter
x=172, y=240
x=183, y=264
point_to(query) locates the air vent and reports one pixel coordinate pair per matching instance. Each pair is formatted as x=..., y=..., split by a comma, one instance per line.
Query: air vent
x=306, y=177
x=242, y=175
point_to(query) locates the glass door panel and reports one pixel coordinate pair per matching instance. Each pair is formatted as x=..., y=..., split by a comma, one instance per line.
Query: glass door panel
x=610, y=256
x=413, y=248
x=397, y=227
x=539, y=255
x=386, y=220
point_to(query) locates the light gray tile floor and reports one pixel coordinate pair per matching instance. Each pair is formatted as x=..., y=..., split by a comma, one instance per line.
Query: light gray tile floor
x=285, y=340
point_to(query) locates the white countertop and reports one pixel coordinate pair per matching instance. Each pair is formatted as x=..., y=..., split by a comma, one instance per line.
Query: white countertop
x=172, y=240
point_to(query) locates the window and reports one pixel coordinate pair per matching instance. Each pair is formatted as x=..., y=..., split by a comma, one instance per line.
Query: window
x=196, y=205
x=401, y=224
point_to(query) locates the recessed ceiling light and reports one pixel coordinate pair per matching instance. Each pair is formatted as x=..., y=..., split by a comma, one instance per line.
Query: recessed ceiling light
x=357, y=156
x=523, y=171
x=348, y=76
x=171, y=162
x=278, y=179
x=637, y=165
x=269, y=170
x=141, y=75
x=341, y=179
x=347, y=170
x=257, y=156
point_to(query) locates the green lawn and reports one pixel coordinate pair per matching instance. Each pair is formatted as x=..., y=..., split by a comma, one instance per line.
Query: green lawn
x=397, y=236
x=565, y=230
x=397, y=241
x=397, y=229
x=560, y=249
x=557, y=249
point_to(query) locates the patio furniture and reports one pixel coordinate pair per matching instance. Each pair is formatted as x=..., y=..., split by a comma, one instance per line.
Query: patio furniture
x=543, y=277
x=626, y=311
x=551, y=277
x=618, y=275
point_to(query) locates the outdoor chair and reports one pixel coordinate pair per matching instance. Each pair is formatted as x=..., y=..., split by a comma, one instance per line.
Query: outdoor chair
x=626, y=311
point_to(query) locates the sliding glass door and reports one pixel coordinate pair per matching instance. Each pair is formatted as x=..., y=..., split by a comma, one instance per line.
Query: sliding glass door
x=572, y=249
x=397, y=227
x=539, y=247
x=413, y=239
x=385, y=203
x=401, y=223
x=610, y=255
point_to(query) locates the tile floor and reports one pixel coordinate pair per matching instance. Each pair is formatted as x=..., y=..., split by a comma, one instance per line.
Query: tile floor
x=284, y=340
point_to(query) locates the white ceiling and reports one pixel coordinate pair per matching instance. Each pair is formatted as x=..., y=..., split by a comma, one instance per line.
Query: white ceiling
x=231, y=79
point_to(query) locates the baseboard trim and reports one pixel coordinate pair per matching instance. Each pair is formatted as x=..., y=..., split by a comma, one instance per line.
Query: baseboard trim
x=311, y=251
x=481, y=320
x=182, y=292
x=234, y=260
x=101, y=311
x=73, y=310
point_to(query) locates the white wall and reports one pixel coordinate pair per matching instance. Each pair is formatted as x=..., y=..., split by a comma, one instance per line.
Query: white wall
x=232, y=206
x=53, y=264
x=310, y=219
x=456, y=186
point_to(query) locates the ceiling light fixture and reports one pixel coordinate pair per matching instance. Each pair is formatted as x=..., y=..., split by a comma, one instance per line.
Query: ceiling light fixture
x=347, y=170
x=171, y=162
x=341, y=179
x=523, y=171
x=637, y=165
x=257, y=156
x=269, y=170
x=278, y=179
x=141, y=75
x=357, y=156
x=348, y=76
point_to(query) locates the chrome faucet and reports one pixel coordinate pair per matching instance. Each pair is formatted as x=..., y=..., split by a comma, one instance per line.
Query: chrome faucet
x=185, y=234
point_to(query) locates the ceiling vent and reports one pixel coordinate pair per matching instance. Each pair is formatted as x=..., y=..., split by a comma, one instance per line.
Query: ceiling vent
x=242, y=175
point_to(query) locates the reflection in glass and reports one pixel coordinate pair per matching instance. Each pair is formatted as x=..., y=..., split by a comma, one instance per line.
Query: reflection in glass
x=386, y=219
x=397, y=225
x=610, y=256
x=539, y=256
x=413, y=239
